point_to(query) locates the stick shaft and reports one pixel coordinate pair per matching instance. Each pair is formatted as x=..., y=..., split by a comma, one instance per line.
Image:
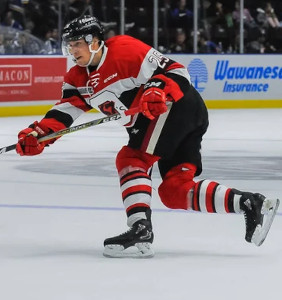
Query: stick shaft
x=7, y=148
x=76, y=128
x=80, y=127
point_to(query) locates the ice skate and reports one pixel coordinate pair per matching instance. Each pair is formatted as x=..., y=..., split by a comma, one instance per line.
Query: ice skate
x=136, y=242
x=259, y=213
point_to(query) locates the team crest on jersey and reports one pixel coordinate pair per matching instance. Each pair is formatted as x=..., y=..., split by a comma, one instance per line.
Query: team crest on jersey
x=108, y=108
x=94, y=79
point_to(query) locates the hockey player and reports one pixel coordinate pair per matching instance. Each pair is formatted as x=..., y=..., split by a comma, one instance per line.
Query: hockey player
x=124, y=73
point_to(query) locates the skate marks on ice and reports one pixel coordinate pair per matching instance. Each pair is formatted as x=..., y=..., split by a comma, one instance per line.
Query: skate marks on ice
x=219, y=167
x=243, y=167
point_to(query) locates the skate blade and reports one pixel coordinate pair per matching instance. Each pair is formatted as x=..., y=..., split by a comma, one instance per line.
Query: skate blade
x=139, y=250
x=269, y=210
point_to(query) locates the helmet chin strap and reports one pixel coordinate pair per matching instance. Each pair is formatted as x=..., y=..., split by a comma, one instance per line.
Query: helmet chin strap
x=93, y=52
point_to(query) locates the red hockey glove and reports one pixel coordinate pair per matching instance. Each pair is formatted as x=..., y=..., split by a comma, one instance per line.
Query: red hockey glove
x=157, y=91
x=28, y=140
x=152, y=103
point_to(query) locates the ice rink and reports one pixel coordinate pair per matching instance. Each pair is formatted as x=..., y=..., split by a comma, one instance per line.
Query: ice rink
x=56, y=209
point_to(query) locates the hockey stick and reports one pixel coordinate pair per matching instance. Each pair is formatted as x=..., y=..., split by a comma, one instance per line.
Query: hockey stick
x=59, y=133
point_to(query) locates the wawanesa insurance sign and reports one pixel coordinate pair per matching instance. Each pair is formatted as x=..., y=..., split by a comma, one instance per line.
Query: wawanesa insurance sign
x=235, y=77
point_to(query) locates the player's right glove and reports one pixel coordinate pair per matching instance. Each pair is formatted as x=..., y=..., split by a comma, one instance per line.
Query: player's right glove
x=28, y=140
x=152, y=102
x=157, y=91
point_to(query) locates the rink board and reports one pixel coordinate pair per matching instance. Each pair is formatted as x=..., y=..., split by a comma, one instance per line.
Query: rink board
x=31, y=85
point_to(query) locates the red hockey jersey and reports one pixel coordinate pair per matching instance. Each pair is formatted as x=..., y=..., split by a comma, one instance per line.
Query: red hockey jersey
x=113, y=86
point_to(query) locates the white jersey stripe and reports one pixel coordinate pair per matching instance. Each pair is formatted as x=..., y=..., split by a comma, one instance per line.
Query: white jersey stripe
x=157, y=130
x=67, y=108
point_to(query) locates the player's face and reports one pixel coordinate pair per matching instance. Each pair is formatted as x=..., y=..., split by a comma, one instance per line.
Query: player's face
x=80, y=51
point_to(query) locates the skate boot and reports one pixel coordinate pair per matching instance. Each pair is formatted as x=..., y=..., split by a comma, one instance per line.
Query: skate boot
x=136, y=242
x=259, y=213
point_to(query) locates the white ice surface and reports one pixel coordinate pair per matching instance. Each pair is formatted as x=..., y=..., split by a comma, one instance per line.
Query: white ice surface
x=57, y=208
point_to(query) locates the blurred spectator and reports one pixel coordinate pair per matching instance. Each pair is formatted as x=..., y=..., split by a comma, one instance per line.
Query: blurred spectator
x=261, y=18
x=10, y=21
x=269, y=48
x=43, y=14
x=252, y=31
x=181, y=16
x=52, y=42
x=110, y=33
x=204, y=44
x=223, y=15
x=2, y=44
x=14, y=43
x=20, y=42
x=248, y=19
x=255, y=46
x=271, y=16
x=29, y=26
x=207, y=46
x=222, y=25
x=4, y=6
x=16, y=6
x=180, y=44
x=219, y=14
x=32, y=45
x=76, y=8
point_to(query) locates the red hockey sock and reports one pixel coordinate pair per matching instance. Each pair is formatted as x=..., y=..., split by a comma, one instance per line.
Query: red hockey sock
x=212, y=197
x=136, y=194
x=133, y=167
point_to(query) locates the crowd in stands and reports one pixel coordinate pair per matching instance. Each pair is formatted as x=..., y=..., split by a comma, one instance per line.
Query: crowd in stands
x=32, y=26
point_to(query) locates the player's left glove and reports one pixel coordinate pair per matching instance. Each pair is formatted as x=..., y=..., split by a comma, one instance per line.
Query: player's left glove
x=157, y=91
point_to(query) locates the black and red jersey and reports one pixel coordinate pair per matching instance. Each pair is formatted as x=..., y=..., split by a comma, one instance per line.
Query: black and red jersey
x=116, y=83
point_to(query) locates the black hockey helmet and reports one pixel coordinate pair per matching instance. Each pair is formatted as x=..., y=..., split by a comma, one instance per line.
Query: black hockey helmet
x=85, y=27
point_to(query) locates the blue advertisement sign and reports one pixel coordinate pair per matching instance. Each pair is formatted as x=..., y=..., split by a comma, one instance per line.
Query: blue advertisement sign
x=236, y=77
